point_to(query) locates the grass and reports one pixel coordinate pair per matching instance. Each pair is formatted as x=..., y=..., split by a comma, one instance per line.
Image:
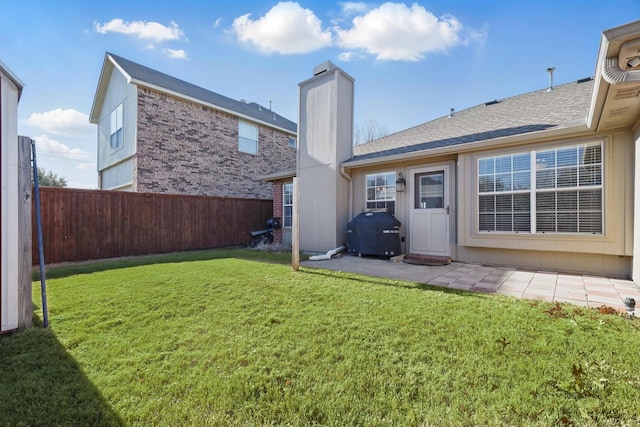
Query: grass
x=237, y=338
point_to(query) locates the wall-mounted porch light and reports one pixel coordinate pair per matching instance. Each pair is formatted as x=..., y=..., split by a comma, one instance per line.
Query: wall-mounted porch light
x=400, y=183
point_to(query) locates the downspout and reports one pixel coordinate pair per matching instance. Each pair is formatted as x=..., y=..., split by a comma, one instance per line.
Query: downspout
x=613, y=74
x=328, y=255
x=346, y=176
x=332, y=252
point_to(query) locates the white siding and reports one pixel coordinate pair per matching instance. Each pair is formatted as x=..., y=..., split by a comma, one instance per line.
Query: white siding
x=325, y=140
x=118, y=176
x=10, y=203
x=635, y=238
x=118, y=92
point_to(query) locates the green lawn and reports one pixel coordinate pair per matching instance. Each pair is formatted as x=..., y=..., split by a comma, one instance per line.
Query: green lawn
x=235, y=337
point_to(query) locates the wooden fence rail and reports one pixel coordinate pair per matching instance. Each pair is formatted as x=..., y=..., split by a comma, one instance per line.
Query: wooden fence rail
x=93, y=224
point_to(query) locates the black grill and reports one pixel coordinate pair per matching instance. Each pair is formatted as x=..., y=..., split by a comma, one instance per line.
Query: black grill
x=374, y=233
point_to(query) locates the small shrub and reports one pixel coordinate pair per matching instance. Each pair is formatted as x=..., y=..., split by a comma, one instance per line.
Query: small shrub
x=603, y=309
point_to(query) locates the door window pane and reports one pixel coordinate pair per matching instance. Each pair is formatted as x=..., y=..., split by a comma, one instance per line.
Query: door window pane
x=429, y=190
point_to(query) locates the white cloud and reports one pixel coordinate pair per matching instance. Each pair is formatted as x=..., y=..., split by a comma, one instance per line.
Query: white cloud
x=286, y=29
x=394, y=31
x=350, y=56
x=175, y=53
x=346, y=56
x=350, y=8
x=477, y=37
x=67, y=122
x=142, y=29
x=51, y=148
x=217, y=23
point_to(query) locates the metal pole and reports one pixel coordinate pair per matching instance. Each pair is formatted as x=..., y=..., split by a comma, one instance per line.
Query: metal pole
x=295, y=241
x=43, y=284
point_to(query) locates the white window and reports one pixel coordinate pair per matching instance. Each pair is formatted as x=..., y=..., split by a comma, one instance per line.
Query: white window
x=557, y=190
x=287, y=205
x=247, y=138
x=115, y=139
x=293, y=142
x=381, y=191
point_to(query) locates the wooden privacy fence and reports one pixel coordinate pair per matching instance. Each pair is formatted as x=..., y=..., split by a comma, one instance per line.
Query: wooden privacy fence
x=93, y=224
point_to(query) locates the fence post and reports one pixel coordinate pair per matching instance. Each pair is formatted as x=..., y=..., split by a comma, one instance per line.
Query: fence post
x=25, y=300
x=295, y=232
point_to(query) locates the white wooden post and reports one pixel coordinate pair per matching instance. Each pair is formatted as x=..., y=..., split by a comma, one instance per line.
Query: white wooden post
x=295, y=232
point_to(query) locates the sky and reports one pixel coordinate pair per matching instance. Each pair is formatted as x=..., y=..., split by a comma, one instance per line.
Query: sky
x=411, y=61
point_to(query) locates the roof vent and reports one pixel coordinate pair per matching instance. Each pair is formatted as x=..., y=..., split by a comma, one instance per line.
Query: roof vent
x=586, y=79
x=494, y=102
x=550, y=70
x=323, y=68
x=451, y=112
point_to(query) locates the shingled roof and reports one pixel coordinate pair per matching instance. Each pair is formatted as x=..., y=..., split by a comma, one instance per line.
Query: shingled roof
x=565, y=105
x=140, y=74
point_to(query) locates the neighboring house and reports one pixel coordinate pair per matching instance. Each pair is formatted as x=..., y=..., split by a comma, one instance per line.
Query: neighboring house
x=16, y=307
x=547, y=180
x=159, y=134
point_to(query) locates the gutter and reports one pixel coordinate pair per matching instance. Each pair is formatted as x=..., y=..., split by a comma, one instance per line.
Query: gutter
x=614, y=44
x=137, y=82
x=291, y=173
x=571, y=128
x=213, y=106
x=13, y=78
x=346, y=176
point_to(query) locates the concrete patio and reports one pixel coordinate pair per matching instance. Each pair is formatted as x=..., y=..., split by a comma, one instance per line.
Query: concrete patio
x=579, y=289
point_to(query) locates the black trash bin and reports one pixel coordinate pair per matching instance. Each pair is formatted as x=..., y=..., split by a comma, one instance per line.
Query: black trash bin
x=374, y=233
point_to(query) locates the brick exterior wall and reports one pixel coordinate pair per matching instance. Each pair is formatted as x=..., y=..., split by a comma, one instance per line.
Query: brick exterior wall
x=277, y=209
x=188, y=148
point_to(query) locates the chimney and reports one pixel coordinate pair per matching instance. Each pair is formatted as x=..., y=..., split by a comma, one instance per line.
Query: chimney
x=325, y=140
x=550, y=71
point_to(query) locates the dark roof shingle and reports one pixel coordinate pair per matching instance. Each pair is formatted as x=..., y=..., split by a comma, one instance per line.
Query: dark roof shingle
x=158, y=79
x=534, y=111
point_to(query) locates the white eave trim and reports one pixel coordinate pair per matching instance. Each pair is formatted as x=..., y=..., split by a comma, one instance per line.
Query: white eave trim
x=607, y=70
x=13, y=77
x=571, y=129
x=101, y=89
x=279, y=175
x=93, y=118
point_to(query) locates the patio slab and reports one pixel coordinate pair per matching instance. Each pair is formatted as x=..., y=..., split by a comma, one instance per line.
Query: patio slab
x=583, y=290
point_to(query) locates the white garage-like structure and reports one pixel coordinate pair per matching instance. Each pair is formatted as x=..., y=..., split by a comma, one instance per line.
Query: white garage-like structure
x=16, y=307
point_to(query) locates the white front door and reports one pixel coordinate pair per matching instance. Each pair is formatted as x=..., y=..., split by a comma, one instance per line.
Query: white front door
x=429, y=211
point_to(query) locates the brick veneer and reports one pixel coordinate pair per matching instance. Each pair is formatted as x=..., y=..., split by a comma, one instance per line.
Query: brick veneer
x=277, y=209
x=185, y=147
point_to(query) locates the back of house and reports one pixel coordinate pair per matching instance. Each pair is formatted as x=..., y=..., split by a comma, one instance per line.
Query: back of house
x=546, y=180
x=160, y=134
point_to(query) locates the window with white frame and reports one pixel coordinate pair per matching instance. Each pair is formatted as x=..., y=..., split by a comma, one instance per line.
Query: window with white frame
x=293, y=143
x=555, y=190
x=381, y=191
x=247, y=138
x=287, y=205
x=116, y=138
